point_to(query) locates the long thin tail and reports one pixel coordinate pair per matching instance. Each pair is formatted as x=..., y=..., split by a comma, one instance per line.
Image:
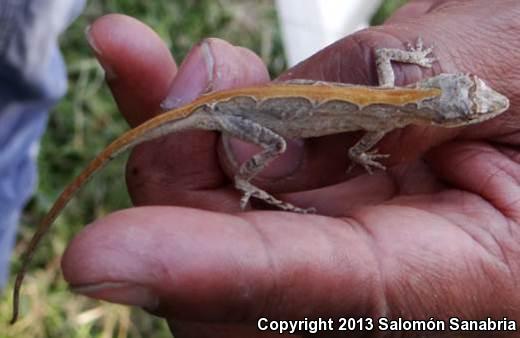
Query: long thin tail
x=172, y=121
x=94, y=166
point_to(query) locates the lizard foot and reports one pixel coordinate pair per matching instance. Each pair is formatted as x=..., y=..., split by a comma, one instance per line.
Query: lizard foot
x=418, y=54
x=368, y=160
x=250, y=190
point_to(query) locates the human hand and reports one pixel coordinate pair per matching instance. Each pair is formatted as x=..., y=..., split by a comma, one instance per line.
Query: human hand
x=435, y=236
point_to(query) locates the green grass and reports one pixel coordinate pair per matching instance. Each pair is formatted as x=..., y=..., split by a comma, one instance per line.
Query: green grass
x=82, y=124
x=386, y=9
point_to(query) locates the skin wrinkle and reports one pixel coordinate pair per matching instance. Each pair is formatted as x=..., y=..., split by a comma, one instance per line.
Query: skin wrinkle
x=484, y=64
x=334, y=234
x=276, y=290
x=514, y=212
x=511, y=153
x=470, y=267
x=455, y=59
x=322, y=72
x=234, y=313
x=289, y=280
x=498, y=172
x=508, y=209
x=494, y=283
x=365, y=54
x=160, y=271
x=381, y=309
x=391, y=285
x=484, y=232
x=475, y=271
x=510, y=135
x=477, y=200
x=337, y=61
x=506, y=63
x=463, y=42
x=503, y=258
x=328, y=237
x=163, y=177
x=512, y=230
x=499, y=255
x=274, y=286
x=469, y=155
x=338, y=71
x=411, y=298
x=495, y=256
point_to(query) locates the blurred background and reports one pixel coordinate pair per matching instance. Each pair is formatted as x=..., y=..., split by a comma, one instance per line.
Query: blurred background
x=282, y=32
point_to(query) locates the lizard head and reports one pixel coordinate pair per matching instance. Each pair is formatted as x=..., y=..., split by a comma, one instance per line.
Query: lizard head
x=465, y=99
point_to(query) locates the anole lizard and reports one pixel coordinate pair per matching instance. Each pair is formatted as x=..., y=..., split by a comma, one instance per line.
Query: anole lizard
x=266, y=115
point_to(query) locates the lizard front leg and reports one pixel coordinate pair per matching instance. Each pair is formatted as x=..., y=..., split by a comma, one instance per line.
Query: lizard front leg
x=273, y=146
x=417, y=55
x=360, y=152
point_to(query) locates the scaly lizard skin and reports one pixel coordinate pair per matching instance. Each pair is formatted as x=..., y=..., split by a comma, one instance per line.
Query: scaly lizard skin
x=267, y=115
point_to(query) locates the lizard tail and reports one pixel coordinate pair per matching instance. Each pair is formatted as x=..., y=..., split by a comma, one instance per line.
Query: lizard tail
x=97, y=164
x=169, y=122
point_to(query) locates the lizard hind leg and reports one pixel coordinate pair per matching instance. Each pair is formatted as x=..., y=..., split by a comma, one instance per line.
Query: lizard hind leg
x=273, y=146
x=249, y=190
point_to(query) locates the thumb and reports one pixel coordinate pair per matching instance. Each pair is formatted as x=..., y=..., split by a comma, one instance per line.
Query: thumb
x=461, y=43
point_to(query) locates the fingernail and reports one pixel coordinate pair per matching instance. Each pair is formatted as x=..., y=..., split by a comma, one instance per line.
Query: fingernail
x=285, y=165
x=121, y=293
x=109, y=71
x=194, y=78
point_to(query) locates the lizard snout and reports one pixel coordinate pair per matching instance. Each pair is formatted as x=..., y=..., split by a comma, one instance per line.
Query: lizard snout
x=487, y=101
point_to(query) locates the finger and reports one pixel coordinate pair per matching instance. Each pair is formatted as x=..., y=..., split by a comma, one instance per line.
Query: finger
x=184, y=169
x=173, y=262
x=417, y=8
x=139, y=67
x=351, y=60
x=214, y=65
x=495, y=174
x=140, y=73
x=466, y=49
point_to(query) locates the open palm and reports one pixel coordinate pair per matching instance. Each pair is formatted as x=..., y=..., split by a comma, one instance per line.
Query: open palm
x=436, y=235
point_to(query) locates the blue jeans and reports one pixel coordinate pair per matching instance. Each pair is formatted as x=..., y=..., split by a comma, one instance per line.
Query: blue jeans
x=32, y=79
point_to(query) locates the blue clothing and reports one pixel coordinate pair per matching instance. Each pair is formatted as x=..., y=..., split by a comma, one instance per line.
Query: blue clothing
x=32, y=79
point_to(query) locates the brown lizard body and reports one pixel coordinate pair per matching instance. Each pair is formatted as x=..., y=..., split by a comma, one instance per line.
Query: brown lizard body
x=267, y=115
